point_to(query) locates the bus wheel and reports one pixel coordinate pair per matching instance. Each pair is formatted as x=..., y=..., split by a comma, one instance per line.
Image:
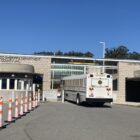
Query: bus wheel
x=77, y=99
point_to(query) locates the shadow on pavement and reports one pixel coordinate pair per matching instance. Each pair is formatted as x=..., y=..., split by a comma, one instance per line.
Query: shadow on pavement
x=93, y=105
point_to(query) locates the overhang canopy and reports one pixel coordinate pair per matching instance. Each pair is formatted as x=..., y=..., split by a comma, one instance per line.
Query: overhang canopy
x=17, y=68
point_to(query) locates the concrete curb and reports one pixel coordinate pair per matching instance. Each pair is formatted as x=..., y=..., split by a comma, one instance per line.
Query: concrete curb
x=129, y=104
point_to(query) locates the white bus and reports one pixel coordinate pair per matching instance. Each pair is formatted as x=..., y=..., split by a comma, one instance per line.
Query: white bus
x=90, y=88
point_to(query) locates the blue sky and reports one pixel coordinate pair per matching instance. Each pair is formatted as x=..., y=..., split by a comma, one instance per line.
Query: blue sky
x=28, y=26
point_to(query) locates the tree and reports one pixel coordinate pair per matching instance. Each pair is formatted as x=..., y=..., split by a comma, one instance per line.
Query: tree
x=134, y=55
x=43, y=53
x=70, y=53
x=59, y=53
x=120, y=52
x=89, y=54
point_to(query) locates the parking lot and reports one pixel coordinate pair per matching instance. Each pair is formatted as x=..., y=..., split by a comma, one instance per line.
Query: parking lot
x=57, y=121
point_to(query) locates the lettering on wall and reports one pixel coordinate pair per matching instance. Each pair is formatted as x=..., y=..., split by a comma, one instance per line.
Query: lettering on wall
x=16, y=59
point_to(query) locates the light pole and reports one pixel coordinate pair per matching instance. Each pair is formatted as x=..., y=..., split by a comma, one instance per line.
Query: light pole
x=103, y=45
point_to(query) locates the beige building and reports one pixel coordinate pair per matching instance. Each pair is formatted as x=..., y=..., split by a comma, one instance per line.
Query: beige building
x=17, y=71
x=128, y=78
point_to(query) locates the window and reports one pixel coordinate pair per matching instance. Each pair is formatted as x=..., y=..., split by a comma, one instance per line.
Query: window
x=30, y=84
x=19, y=84
x=12, y=83
x=25, y=84
x=115, y=85
x=4, y=83
x=81, y=82
x=84, y=82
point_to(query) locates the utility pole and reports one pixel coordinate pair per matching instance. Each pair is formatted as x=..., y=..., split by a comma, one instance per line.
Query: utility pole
x=103, y=45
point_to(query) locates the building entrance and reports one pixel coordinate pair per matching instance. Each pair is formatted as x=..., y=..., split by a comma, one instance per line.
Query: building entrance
x=133, y=90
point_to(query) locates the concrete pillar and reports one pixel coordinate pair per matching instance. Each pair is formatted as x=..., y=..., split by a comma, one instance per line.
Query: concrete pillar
x=63, y=96
x=8, y=84
x=13, y=96
x=52, y=79
x=27, y=87
x=85, y=69
x=22, y=85
x=15, y=84
x=38, y=95
x=43, y=96
x=0, y=83
x=33, y=87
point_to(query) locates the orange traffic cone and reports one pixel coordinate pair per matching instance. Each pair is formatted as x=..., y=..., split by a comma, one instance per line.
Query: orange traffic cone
x=25, y=104
x=1, y=113
x=9, y=117
x=37, y=99
x=38, y=96
x=34, y=100
x=21, y=106
x=16, y=108
x=30, y=103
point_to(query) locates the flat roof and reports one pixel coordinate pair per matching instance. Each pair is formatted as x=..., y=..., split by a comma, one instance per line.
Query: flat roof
x=46, y=56
x=70, y=57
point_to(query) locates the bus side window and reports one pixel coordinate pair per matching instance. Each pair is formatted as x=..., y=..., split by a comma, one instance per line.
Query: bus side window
x=81, y=83
x=84, y=82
